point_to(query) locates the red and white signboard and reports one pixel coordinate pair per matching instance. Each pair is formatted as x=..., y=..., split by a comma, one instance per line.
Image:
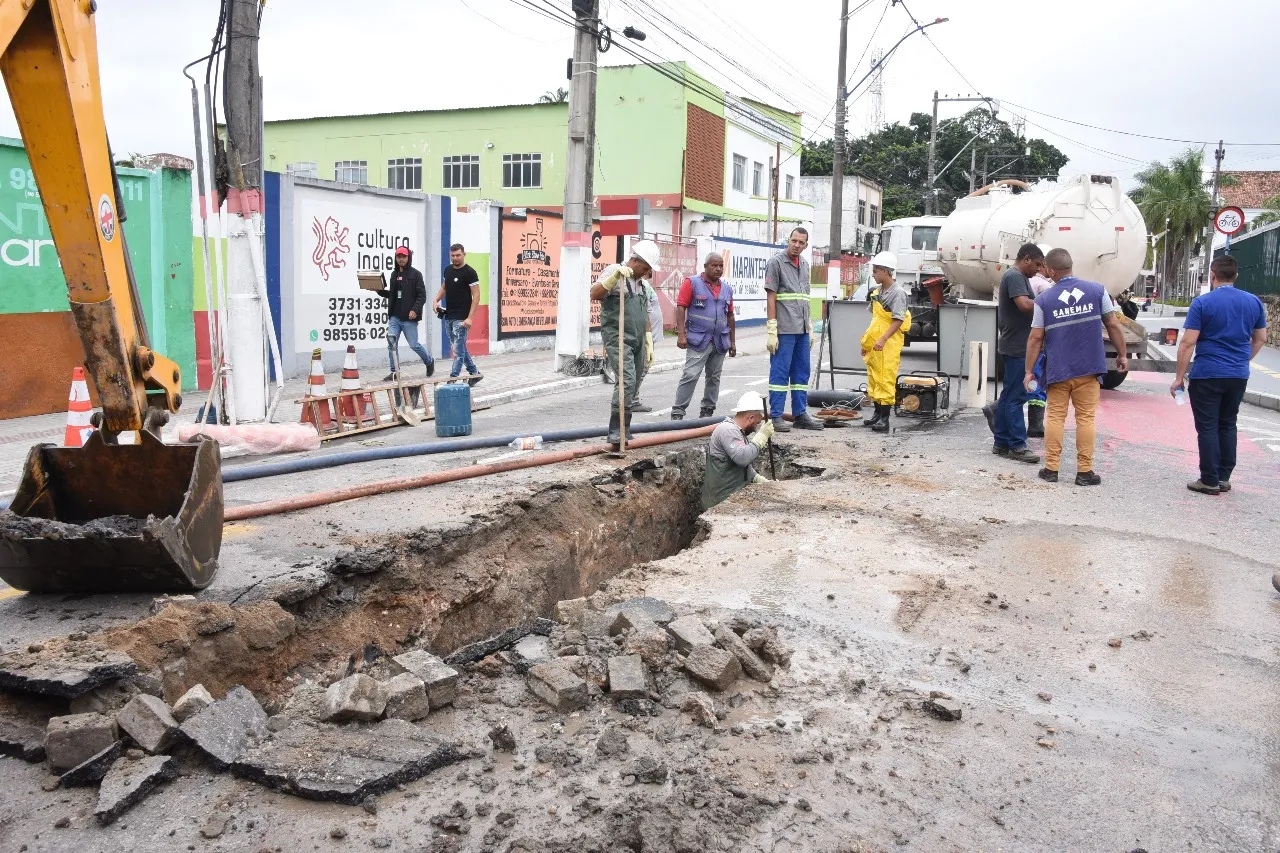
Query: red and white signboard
x=622, y=216
x=1229, y=221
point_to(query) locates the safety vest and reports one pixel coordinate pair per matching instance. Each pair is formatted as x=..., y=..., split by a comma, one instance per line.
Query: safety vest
x=707, y=317
x=1073, y=345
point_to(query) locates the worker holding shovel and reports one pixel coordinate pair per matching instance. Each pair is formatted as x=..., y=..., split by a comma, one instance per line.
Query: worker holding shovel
x=732, y=451
x=624, y=302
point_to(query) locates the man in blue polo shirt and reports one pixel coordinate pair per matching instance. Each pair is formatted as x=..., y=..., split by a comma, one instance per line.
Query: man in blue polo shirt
x=1225, y=329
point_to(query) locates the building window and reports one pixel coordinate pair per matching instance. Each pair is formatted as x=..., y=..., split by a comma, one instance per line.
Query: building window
x=462, y=172
x=351, y=171
x=739, y=173
x=521, y=171
x=862, y=211
x=791, y=186
x=305, y=169
x=757, y=178
x=875, y=216
x=405, y=173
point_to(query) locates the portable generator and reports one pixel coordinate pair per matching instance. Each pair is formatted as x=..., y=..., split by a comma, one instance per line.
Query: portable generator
x=923, y=394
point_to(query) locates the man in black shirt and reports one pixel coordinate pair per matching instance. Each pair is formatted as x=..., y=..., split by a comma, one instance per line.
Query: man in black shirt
x=1015, y=304
x=406, y=294
x=461, y=294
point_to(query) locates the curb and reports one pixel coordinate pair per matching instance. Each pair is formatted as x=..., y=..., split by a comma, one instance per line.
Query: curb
x=515, y=395
x=1262, y=401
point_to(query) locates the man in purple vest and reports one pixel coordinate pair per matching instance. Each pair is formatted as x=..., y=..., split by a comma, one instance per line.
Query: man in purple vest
x=705, y=330
x=1068, y=321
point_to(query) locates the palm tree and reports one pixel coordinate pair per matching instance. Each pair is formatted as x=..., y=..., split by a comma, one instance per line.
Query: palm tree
x=1270, y=213
x=559, y=96
x=1175, y=193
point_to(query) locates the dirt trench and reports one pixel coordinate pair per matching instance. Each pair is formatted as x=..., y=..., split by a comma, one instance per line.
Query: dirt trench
x=440, y=586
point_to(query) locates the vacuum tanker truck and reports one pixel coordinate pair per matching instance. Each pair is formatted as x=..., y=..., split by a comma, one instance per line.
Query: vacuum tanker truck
x=964, y=255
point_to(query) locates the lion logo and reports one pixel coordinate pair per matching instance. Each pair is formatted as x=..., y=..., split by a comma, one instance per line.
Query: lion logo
x=331, y=240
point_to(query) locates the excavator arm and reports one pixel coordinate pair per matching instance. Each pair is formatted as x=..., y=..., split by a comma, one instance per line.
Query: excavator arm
x=49, y=59
x=107, y=516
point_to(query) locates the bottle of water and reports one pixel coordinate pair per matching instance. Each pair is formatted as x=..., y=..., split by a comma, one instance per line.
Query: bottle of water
x=1180, y=397
x=1033, y=386
x=527, y=442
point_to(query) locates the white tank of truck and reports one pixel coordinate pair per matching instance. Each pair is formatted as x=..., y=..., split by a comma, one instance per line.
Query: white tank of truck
x=1089, y=216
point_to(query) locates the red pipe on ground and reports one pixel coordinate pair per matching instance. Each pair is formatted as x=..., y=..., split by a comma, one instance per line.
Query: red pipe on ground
x=400, y=484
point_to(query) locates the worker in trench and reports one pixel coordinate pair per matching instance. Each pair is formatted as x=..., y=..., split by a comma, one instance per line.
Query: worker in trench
x=882, y=342
x=618, y=282
x=732, y=450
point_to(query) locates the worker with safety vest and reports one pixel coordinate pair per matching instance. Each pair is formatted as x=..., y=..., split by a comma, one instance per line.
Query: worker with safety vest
x=786, y=284
x=618, y=282
x=882, y=342
x=731, y=452
x=705, y=330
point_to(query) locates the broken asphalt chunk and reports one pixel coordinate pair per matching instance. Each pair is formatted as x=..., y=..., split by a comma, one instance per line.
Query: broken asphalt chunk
x=347, y=764
x=654, y=609
x=508, y=638
x=751, y=663
x=944, y=709
x=20, y=740
x=66, y=672
x=128, y=782
x=687, y=632
x=94, y=769
x=224, y=729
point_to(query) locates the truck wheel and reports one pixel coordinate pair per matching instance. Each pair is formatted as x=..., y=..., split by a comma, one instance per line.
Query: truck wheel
x=1113, y=380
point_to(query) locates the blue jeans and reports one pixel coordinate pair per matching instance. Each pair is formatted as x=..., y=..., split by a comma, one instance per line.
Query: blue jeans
x=458, y=342
x=395, y=327
x=1041, y=395
x=1011, y=426
x=789, y=372
x=1215, y=404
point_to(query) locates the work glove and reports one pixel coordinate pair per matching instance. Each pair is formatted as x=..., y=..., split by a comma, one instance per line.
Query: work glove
x=762, y=435
x=760, y=478
x=771, y=342
x=611, y=280
x=648, y=350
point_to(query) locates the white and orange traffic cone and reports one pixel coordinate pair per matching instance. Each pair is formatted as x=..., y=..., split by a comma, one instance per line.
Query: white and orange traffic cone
x=316, y=388
x=79, y=411
x=347, y=406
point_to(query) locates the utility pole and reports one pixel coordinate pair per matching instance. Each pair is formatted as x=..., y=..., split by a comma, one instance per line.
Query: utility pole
x=931, y=200
x=246, y=306
x=573, y=325
x=777, y=188
x=1213, y=214
x=837, y=161
x=973, y=168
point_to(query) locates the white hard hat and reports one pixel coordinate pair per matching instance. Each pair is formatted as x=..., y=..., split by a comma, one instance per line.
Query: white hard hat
x=647, y=251
x=750, y=401
x=885, y=259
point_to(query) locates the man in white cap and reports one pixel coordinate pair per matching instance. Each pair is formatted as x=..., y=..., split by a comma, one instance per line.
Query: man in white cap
x=618, y=282
x=882, y=342
x=732, y=451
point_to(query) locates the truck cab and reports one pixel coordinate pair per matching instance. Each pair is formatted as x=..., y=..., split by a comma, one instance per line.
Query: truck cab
x=914, y=241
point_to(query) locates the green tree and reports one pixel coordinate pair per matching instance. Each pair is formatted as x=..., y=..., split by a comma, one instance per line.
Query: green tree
x=897, y=157
x=559, y=96
x=1175, y=194
x=1270, y=213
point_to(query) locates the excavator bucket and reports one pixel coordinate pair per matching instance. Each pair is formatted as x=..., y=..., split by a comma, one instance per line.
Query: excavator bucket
x=143, y=517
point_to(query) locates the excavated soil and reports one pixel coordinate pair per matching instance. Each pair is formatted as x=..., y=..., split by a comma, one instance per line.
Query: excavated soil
x=440, y=586
x=13, y=526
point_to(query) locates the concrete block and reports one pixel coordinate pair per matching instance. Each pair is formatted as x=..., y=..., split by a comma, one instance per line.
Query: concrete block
x=20, y=740
x=107, y=699
x=556, y=685
x=357, y=697
x=191, y=703
x=406, y=698
x=569, y=612
x=128, y=782
x=751, y=662
x=627, y=677
x=650, y=643
x=653, y=609
x=629, y=620
x=72, y=740
x=687, y=632
x=700, y=706
x=147, y=720
x=714, y=667
x=440, y=678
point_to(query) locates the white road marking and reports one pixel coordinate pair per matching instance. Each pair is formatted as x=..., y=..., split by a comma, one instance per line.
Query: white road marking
x=657, y=413
x=764, y=381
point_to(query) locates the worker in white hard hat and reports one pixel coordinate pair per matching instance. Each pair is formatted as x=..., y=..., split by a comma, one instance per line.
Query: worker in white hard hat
x=732, y=450
x=882, y=342
x=617, y=282
x=1036, y=400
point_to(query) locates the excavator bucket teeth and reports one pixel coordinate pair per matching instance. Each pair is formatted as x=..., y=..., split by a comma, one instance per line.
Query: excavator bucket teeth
x=143, y=517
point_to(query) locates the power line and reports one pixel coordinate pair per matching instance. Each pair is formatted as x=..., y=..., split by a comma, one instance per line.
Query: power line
x=1144, y=135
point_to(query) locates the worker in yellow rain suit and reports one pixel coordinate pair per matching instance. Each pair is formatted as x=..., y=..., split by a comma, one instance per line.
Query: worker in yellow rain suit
x=882, y=342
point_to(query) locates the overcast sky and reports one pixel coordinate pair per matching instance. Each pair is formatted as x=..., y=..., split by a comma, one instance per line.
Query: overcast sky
x=1174, y=68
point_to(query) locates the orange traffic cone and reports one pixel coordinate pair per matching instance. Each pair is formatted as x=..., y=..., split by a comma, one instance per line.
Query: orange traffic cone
x=351, y=382
x=79, y=410
x=317, y=388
